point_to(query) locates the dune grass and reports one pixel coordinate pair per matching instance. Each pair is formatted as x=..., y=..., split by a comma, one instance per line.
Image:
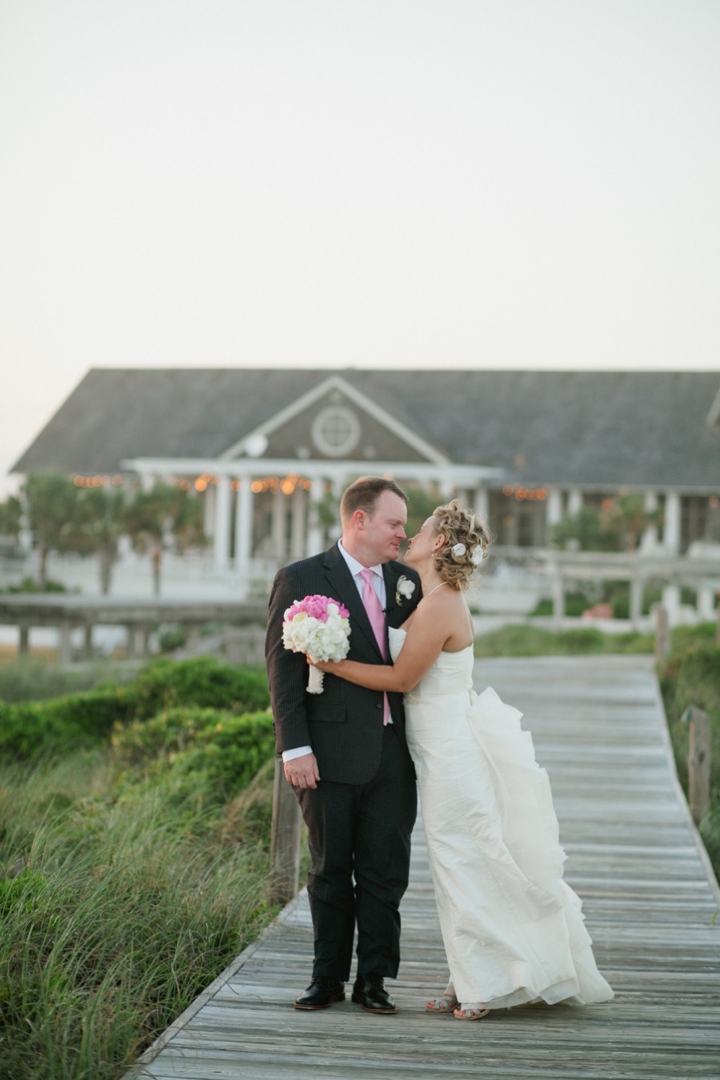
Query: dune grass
x=133, y=861
x=120, y=905
x=691, y=676
x=524, y=640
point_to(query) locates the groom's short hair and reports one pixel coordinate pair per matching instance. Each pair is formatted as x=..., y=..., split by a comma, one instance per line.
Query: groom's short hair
x=364, y=493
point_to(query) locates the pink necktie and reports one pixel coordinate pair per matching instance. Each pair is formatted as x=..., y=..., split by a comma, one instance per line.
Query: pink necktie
x=376, y=615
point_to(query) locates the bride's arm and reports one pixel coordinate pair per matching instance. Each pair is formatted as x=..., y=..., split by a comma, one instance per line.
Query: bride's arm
x=428, y=633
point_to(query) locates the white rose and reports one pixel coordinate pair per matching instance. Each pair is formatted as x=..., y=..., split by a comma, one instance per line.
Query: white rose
x=406, y=588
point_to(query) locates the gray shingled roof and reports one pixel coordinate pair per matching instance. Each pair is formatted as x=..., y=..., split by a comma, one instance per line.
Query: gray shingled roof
x=588, y=428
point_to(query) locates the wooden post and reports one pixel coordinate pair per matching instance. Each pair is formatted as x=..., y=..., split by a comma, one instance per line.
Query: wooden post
x=64, y=644
x=285, y=837
x=88, y=641
x=717, y=632
x=698, y=761
x=662, y=633
x=558, y=595
x=24, y=643
x=636, y=598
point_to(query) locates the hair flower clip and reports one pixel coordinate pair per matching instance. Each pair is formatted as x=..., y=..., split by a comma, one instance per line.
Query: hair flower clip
x=458, y=550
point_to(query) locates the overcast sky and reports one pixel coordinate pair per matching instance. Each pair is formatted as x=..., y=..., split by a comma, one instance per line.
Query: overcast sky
x=401, y=183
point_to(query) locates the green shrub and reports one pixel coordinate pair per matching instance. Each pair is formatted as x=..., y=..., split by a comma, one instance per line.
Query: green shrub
x=173, y=639
x=27, y=585
x=60, y=724
x=202, y=681
x=224, y=749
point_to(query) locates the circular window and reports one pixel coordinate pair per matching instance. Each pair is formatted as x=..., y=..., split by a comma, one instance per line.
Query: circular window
x=336, y=431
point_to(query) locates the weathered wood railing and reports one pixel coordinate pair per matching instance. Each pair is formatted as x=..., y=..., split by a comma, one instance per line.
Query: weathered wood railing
x=285, y=837
x=662, y=632
x=698, y=761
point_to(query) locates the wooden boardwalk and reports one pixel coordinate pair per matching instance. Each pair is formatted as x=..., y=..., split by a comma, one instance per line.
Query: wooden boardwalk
x=633, y=858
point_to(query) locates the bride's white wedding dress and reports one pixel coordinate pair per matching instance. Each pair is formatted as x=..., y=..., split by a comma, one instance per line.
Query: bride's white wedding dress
x=513, y=929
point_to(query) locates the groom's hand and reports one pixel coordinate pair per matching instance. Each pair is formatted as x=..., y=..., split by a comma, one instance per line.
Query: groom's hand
x=302, y=771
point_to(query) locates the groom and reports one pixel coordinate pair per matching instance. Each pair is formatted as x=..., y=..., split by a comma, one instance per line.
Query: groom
x=345, y=753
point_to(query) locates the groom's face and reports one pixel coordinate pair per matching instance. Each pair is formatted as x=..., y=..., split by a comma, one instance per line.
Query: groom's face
x=384, y=531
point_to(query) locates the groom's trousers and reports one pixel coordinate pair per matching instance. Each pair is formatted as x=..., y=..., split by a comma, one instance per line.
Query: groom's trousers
x=360, y=831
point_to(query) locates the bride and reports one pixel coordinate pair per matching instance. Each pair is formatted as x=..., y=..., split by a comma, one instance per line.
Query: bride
x=512, y=928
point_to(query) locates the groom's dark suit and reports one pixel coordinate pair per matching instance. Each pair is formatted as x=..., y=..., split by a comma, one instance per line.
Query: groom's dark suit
x=361, y=814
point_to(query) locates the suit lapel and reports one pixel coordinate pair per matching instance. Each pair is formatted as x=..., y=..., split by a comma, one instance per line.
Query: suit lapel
x=339, y=576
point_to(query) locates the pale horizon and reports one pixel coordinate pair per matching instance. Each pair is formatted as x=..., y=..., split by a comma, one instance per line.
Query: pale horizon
x=492, y=185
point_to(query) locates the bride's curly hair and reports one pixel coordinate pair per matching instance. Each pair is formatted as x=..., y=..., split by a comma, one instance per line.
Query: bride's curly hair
x=458, y=526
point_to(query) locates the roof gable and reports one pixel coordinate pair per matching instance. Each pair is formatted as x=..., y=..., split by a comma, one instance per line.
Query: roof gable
x=335, y=420
x=600, y=429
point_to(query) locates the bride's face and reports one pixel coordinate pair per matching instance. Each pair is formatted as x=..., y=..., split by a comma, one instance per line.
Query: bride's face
x=424, y=544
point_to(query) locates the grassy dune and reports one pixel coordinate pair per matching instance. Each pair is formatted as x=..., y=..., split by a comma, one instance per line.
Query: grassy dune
x=134, y=870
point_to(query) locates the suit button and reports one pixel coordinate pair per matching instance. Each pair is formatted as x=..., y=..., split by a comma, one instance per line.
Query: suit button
x=378, y=706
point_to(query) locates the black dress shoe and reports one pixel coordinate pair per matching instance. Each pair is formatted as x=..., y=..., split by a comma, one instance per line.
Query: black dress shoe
x=321, y=993
x=369, y=991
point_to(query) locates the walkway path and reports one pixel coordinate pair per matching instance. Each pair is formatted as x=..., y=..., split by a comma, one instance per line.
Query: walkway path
x=598, y=728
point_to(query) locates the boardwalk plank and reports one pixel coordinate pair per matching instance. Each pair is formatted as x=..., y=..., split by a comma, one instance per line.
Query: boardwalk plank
x=599, y=730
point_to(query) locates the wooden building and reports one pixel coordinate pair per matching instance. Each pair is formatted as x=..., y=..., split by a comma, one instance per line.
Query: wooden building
x=264, y=448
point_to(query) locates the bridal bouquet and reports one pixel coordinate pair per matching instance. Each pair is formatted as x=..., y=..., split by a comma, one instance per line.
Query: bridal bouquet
x=320, y=628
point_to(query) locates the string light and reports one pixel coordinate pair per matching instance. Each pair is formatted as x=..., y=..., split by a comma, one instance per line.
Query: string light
x=204, y=480
x=273, y=484
x=92, y=481
x=524, y=493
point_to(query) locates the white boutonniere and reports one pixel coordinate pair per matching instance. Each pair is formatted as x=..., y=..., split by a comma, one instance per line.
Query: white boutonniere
x=405, y=589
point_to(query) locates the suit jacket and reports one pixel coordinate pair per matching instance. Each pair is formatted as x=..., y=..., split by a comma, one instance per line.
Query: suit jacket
x=344, y=724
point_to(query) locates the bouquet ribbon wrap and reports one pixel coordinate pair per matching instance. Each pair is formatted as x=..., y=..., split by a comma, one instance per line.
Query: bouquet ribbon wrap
x=319, y=627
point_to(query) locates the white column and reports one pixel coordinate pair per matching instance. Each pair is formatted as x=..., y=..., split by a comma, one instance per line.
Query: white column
x=297, y=538
x=482, y=504
x=650, y=536
x=221, y=543
x=278, y=525
x=575, y=502
x=671, y=532
x=25, y=539
x=446, y=487
x=706, y=602
x=671, y=603
x=315, y=539
x=243, y=528
x=64, y=644
x=209, y=512
x=553, y=507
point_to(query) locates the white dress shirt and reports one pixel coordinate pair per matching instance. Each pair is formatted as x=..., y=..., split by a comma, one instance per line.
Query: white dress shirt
x=378, y=582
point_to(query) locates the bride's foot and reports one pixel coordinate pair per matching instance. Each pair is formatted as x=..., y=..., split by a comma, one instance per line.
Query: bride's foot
x=445, y=1004
x=475, y=1010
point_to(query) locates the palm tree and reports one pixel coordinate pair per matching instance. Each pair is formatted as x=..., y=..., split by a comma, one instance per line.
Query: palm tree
x=101, y=523
x=11, y=517
x=163, y=518
x=53, y=514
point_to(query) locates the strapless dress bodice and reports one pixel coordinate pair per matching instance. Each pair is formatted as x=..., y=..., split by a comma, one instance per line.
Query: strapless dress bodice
x=450, y=674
